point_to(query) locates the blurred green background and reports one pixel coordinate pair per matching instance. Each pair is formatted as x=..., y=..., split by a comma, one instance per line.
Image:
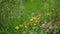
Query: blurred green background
x=17, y=16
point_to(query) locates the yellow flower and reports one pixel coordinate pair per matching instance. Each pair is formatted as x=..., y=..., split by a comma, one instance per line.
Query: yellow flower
x=32, y=18
x=17, y=27
x=37, y=18
x=21, y=25
x=35, y=24
x=25, y=26
x=39, y=15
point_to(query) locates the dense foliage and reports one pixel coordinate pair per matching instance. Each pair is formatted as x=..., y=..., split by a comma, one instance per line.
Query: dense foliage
x=29, y=16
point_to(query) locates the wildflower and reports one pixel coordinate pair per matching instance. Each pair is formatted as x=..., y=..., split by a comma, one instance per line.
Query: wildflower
x=25, y=26
x=35, y=24
x=37, y=18
x=39, y=15
x=17, y=27
x=21, y=25
x=32, y=18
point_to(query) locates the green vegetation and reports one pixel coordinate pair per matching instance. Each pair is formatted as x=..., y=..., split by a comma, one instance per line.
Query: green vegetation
x=29, y=16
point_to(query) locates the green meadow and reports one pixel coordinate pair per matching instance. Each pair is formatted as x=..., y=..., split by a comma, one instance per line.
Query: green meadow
x=29, y=16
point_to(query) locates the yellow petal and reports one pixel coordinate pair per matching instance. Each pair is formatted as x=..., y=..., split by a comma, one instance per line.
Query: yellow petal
x=31, y=19
x=35, y=24
x=25, y=26
x=39, y=15
x=21, y=25
x=17, y=27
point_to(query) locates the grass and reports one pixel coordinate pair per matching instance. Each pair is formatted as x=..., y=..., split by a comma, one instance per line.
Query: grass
x=30, y=17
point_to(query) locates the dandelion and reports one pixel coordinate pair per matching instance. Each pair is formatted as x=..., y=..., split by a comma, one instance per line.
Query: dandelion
x=17, y=27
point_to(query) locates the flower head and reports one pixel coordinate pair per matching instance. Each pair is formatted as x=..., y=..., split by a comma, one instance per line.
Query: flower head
x=39, y=15
x=35, y=24
x=16, y=27
x=33, y=18
x=21, y=25
x=25, y=26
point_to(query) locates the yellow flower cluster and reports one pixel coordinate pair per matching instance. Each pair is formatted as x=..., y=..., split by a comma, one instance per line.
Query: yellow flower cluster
x=17, y=27
x=35, y=19
x=39, y=15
